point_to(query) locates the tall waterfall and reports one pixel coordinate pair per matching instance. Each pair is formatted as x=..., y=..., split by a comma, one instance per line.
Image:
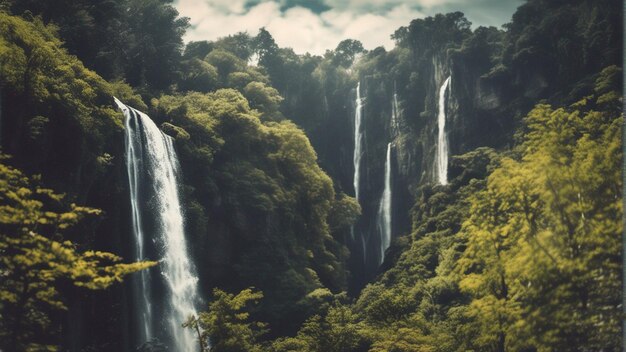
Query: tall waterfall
x=358, y=140
x=134, y=151
x=358, y=153
x=153, y=168
x=441, y=155
x=384, y=209
x=395, y=124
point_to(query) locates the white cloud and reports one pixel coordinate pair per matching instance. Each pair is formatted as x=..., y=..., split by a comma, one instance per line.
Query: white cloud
x=211, y=20
x=375, y=29
x=370, y=21
x=301, y=30
x=297, y=27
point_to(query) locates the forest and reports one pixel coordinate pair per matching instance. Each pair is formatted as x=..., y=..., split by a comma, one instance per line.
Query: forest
x=461, y=191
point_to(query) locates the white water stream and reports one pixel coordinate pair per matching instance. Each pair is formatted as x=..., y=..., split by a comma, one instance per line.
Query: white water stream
x=151, y=158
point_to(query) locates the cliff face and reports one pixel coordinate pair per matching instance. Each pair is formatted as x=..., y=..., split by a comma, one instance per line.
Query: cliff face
x=496, y=78
x=470, y=104
x=413, y=142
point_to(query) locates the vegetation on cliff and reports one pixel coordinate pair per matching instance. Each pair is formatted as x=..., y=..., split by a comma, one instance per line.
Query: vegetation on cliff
x=519, y=252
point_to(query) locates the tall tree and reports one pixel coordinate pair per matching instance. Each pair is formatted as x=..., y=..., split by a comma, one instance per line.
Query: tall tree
x=542, y=259
x=136, y=40
x=346, y=52
x=155, y=43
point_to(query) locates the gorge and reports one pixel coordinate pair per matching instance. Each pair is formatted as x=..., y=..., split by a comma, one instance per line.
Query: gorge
x=460, y=190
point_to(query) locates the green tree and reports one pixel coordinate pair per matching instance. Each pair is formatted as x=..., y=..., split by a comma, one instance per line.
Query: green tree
x=337, y=331
x=265, y=99
x=198, y=76
x=139, y=41
x=226, y=325
x=346, y=52
x=53, y=95
x=36, y=264
x=334, y=328
x=265, y=47
x=423, y=35
x=266, y=174
x=344, y=213
x=155, y=43
x=226, y=64
x=239, y=44
x=197, y=50
x=542, y=259
x=411, y=337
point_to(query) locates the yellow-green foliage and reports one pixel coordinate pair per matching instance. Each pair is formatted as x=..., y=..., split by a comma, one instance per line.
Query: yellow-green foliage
x=265, y=99
x=334, y=328
x=33, y=64
x=226, y=324
x=344, y=212
x=125, y=93
x=272, y=163
x=199, y=76
x=58, y=118
x=34, y=259
x=520, y=252
x=543, y=239
x=273, y=194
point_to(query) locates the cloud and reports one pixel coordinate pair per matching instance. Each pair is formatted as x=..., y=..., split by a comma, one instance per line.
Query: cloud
x=220, y=18
x=303, y=30
x=315, y=26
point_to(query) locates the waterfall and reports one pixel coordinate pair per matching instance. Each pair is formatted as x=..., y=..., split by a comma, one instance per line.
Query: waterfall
x=358, y=140
x=395, y=124
x=384, y=209
x=134, y=153
x=153, y=168
x=358, y=153
x=441, y=155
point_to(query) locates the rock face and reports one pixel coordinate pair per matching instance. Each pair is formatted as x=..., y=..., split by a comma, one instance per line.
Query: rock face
x=496, y=79
x=471, y=106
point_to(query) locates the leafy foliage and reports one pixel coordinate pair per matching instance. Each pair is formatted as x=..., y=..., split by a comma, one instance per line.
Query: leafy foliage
x=518, y=252
x=139, y=41
x=225, y=327
x=545, y=231
x=346, y=52
x=275, y=201
x=36, y=261
x=61, y=121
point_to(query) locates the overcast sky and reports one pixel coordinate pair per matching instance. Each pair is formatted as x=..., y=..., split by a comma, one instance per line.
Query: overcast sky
x=316, y=25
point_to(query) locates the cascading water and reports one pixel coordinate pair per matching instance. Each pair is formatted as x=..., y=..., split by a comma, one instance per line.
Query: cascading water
x=358, y=145
x=384, y=209
x=134, y=152
x=151, y=158
x=395, y=124
x=358, y=140
x=441, y=154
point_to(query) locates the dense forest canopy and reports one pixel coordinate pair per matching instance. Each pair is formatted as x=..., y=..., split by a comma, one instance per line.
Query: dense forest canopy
x=519, y=251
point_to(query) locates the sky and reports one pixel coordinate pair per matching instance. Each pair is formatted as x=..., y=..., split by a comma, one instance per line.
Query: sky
x=317, y=25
